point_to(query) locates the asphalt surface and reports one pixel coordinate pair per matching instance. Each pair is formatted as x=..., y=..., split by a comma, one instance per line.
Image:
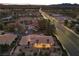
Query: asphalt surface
x=68, y=39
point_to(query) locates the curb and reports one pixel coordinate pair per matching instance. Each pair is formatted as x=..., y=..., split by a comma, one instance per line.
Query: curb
x=71, y=31
x=63, y=46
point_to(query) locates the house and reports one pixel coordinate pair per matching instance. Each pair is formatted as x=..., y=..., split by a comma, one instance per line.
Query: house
x=7, y=38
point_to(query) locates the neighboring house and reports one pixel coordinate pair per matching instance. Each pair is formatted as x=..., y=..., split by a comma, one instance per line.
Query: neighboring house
x=7, y=38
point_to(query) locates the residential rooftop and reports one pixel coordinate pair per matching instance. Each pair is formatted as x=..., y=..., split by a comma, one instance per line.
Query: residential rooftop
x=7, y=38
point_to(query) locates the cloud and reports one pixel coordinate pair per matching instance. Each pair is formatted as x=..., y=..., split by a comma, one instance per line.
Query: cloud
x=38, y=1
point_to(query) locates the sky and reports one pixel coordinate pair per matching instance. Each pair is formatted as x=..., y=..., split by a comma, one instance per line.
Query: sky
x=39, y=2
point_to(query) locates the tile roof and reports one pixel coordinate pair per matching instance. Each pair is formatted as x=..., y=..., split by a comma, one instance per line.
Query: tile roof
x=33, y=38
x=7, y=38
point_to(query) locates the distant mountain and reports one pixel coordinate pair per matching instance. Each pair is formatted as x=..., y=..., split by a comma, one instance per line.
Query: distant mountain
x=66, y=5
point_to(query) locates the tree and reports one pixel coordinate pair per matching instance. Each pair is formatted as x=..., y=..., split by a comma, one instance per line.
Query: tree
x=46, y=26
x=9, y=27
x=66, y=22
x=4, y=48
x=1, y=26
x=50, y=28
x=42, y=24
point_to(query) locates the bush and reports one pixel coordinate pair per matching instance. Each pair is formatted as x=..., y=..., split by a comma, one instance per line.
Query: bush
x=4, y=48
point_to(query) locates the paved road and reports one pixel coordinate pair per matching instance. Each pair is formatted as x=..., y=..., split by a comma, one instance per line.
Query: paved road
x=16, y=44
x=68, y=39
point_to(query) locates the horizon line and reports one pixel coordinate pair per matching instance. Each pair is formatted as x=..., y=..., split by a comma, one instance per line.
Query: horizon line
x=34, y=4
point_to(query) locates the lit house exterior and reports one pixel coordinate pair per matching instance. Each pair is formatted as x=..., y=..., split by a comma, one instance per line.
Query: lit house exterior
x=37, y=45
